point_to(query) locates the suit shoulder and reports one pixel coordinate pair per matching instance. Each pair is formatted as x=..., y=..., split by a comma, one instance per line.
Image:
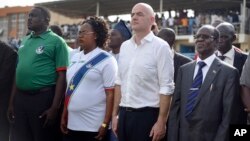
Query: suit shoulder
x=228, y=67
x=187, y=65
x=6, y=49
x=182, y=57
x=238, y=51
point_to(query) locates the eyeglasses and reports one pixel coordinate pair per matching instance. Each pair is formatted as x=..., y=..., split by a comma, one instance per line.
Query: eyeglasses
x=85, y=32
x=203, y=36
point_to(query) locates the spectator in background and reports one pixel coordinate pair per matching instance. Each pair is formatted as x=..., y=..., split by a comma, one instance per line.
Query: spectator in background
x=171, y=22
x=168, y=35
x=231, y=54
x=40, y=81
x=155, y=29
x=226, y=51
x=90, y=78
x=8, y=59
x=56, y=29
x=118, y=35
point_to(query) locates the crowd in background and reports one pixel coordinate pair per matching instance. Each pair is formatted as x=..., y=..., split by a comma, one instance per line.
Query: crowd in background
x=140, y=89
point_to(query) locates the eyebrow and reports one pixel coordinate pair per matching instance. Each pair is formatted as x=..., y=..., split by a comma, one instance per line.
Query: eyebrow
x=137, y=13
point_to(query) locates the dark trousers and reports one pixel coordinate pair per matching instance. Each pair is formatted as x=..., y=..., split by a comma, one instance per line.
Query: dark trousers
x=136, y=124
x=27, y=126
x=81, y=136
x=4, y=124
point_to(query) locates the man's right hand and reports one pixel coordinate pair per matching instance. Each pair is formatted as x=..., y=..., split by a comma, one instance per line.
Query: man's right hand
x=64, y=121
x=115, y=124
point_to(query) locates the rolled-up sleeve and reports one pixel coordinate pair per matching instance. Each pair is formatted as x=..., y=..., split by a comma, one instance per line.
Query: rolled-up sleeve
x=165, y=68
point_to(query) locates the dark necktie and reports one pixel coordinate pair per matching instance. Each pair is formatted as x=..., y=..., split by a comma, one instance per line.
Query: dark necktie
x=222, y=57
x=194, y=90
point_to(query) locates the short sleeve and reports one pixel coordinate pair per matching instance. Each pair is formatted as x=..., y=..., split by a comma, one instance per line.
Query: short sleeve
x=61, y=57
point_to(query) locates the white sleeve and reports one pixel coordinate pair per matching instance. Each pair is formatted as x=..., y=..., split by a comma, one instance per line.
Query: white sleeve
x=109, y=73
x=165, y=68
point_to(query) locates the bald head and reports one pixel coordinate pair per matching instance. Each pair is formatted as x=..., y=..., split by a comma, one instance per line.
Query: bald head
x=227, y=27
x=227, y=37
x=168, y=35
x=142, y=18
x=148, y=9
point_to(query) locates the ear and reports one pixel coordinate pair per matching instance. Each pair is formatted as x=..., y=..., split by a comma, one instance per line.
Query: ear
x=95, y=36
x=233, y=38
x=152, y=19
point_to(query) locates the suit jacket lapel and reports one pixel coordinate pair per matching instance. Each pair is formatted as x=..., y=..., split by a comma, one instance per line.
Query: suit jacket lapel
x=188, y=79
x=237, y=60
x=211, y=74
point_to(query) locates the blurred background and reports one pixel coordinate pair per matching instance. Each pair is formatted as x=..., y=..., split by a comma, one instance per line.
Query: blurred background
x=184, y=16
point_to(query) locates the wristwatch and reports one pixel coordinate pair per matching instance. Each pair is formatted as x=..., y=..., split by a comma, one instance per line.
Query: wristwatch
x=104, y=125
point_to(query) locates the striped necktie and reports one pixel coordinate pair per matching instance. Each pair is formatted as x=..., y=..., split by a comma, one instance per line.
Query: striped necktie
x=194, y=90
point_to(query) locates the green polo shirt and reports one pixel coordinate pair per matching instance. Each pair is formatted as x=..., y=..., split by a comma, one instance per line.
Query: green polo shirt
x=39, y=59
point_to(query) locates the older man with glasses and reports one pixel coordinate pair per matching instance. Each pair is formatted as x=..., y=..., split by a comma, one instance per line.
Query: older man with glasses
x=206, y=98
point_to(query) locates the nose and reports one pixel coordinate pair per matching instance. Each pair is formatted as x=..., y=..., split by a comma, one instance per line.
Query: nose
x=29, y=18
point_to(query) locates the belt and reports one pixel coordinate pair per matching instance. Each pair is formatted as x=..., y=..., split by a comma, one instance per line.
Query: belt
x=143, y=109
x=44, y=89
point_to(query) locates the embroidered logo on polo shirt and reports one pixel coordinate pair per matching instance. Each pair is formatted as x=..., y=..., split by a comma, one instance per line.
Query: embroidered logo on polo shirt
x=40, y=50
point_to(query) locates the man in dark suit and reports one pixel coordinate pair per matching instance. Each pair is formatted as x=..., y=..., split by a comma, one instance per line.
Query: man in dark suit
x=168, y=35
x=206, y=97
x=226, y=51
x=8, y=59
x=230, y=54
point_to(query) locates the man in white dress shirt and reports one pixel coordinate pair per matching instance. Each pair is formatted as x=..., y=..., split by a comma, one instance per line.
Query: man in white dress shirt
x=144, y=83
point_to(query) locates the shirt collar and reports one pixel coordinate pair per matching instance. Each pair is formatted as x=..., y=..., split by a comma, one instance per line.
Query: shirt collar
x=229, y=54
x=208, y=60
x=148, y=38
x=42, y=35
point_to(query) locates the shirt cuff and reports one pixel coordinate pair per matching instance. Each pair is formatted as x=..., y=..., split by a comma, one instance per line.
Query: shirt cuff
x=168, y=90
x=61, y=68
x=117, y=82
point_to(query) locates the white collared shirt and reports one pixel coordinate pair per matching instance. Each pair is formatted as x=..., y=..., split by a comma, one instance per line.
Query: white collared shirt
x=205, y=69
x=145, y=71
x=229, y=56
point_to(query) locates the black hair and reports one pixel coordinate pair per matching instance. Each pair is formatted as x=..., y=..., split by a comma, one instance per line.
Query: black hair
x=100, y=27
x=45, y=13
x=56, y=29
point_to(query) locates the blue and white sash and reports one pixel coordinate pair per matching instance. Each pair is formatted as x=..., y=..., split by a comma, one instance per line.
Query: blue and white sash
x=81, y=73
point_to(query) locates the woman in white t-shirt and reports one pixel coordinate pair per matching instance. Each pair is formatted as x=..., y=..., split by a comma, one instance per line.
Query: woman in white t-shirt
x=90, y=84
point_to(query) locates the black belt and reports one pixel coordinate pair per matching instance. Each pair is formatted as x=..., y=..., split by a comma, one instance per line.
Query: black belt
x=44, y=89
x=143, y=109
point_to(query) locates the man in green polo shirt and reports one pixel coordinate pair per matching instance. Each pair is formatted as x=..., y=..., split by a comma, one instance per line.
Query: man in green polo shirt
x=40, y=81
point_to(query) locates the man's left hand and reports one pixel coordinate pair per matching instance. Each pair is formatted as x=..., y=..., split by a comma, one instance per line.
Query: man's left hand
x=158, y=131
x=50, y=116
